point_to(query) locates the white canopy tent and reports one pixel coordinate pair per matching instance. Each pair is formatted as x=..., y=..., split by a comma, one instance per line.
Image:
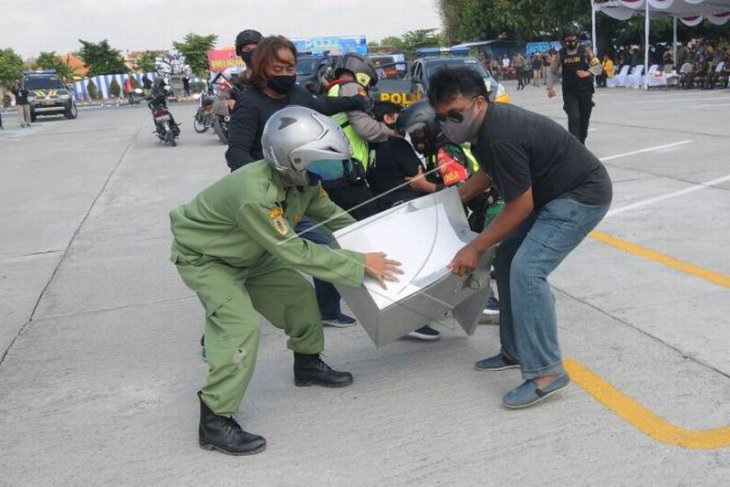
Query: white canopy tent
x=689, y=12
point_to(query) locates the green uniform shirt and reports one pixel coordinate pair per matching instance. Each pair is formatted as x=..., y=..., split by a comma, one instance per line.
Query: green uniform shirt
x=247, y=216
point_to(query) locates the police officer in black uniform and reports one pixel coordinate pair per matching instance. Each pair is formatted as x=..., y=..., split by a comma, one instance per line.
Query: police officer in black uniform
x=579, y=66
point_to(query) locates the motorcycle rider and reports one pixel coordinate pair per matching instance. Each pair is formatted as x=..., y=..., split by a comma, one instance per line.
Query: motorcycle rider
x=579, y=66
x=158, y=98
x=354, y=75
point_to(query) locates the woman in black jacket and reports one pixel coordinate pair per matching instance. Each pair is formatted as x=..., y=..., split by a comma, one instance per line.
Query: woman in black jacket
x=273, y=88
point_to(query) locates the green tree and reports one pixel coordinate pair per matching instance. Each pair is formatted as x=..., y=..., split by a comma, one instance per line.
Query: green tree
x=518, y=20
x=451, y=14
x=49, y=60
x=11, y=67
x=395, y=42
x=146, y=61
x=114, y=88
x=417, y=39
x=101, y=58
x=195, y=48
x=91, y=90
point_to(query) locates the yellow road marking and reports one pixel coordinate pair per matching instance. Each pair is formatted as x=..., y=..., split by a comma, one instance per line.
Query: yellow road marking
x=624, y=406
x=663, y=259
x=642, y=418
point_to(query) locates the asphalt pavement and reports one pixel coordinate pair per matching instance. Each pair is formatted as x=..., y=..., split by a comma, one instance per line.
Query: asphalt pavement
x=99, y=352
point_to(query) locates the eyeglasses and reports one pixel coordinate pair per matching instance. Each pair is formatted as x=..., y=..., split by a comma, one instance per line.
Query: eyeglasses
x=456, y=116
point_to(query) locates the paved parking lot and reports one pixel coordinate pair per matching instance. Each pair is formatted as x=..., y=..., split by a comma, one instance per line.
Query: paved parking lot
x=99, y=338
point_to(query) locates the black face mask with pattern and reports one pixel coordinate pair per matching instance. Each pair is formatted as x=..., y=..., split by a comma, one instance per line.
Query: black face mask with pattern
x=282, y=84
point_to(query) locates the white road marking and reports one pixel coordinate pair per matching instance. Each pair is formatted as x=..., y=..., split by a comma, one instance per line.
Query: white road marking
x=656, y=199
x=672, y=99
x=648, y=149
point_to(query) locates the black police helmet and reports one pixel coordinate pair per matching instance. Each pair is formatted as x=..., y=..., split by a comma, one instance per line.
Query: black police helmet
x=418, y=115
x=570, y=30
x=248, y=36
x=360, y=66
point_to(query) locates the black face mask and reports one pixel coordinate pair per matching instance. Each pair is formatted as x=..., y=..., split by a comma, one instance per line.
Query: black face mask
x=571, y=44
x=282, y=84
x=247, y=57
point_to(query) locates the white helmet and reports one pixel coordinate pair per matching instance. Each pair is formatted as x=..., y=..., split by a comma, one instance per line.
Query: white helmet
x=305, y=146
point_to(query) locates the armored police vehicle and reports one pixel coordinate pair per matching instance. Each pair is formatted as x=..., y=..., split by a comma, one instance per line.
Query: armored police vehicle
x=405, y=85
x=48, y=95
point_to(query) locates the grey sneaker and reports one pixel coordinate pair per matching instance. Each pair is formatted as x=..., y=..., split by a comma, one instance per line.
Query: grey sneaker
x=498, y=362
x=528, y=394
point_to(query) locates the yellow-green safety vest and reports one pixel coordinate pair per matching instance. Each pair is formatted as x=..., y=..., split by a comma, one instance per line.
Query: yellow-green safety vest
x=472, y=160
x=360, y=150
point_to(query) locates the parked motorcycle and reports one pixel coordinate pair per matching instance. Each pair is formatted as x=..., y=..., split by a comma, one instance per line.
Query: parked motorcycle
x=204, y=117
x=222, y=106
x=166, y=129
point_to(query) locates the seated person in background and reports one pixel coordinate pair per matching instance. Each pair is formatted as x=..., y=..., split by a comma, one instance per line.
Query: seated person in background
x=607, y=72
x=699, y=71
x=721, y=72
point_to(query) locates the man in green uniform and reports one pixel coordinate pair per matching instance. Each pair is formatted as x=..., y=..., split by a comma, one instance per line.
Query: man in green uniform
x=235, y=247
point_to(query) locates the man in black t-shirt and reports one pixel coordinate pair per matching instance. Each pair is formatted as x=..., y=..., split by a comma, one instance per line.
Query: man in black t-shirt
x=555, y=192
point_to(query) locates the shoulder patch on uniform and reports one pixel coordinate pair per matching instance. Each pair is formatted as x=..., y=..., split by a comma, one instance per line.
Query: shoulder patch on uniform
x=297, y=218
x=322, y=192
x=276, y=212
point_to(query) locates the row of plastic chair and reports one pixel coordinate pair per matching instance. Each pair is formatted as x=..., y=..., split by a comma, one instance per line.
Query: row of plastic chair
x=629, y=77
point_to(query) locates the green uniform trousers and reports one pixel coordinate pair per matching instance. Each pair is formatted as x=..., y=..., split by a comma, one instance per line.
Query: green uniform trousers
x=231, y=297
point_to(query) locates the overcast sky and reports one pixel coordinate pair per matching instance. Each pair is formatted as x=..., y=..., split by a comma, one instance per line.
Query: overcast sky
x=32, y=26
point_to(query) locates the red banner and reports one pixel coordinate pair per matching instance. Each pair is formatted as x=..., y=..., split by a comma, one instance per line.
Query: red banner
x=222, y=59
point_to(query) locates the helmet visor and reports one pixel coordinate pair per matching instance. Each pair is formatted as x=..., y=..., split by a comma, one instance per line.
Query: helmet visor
x=327, y=169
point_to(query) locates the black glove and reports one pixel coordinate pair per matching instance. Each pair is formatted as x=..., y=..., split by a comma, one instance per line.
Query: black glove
x=366, y=103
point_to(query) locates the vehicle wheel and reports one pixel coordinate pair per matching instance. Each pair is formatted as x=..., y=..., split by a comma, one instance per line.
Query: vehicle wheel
x=199, y=123
x=199, y=126
x=219, y=131
x=170, y=138
x=71, y=112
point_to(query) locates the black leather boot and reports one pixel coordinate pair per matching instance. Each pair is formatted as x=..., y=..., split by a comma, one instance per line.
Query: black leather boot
x=225, y=435
x=311, y=370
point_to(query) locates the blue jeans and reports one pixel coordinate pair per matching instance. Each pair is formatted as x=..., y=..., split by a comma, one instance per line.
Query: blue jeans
x=528, y=326
x=327, y=296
